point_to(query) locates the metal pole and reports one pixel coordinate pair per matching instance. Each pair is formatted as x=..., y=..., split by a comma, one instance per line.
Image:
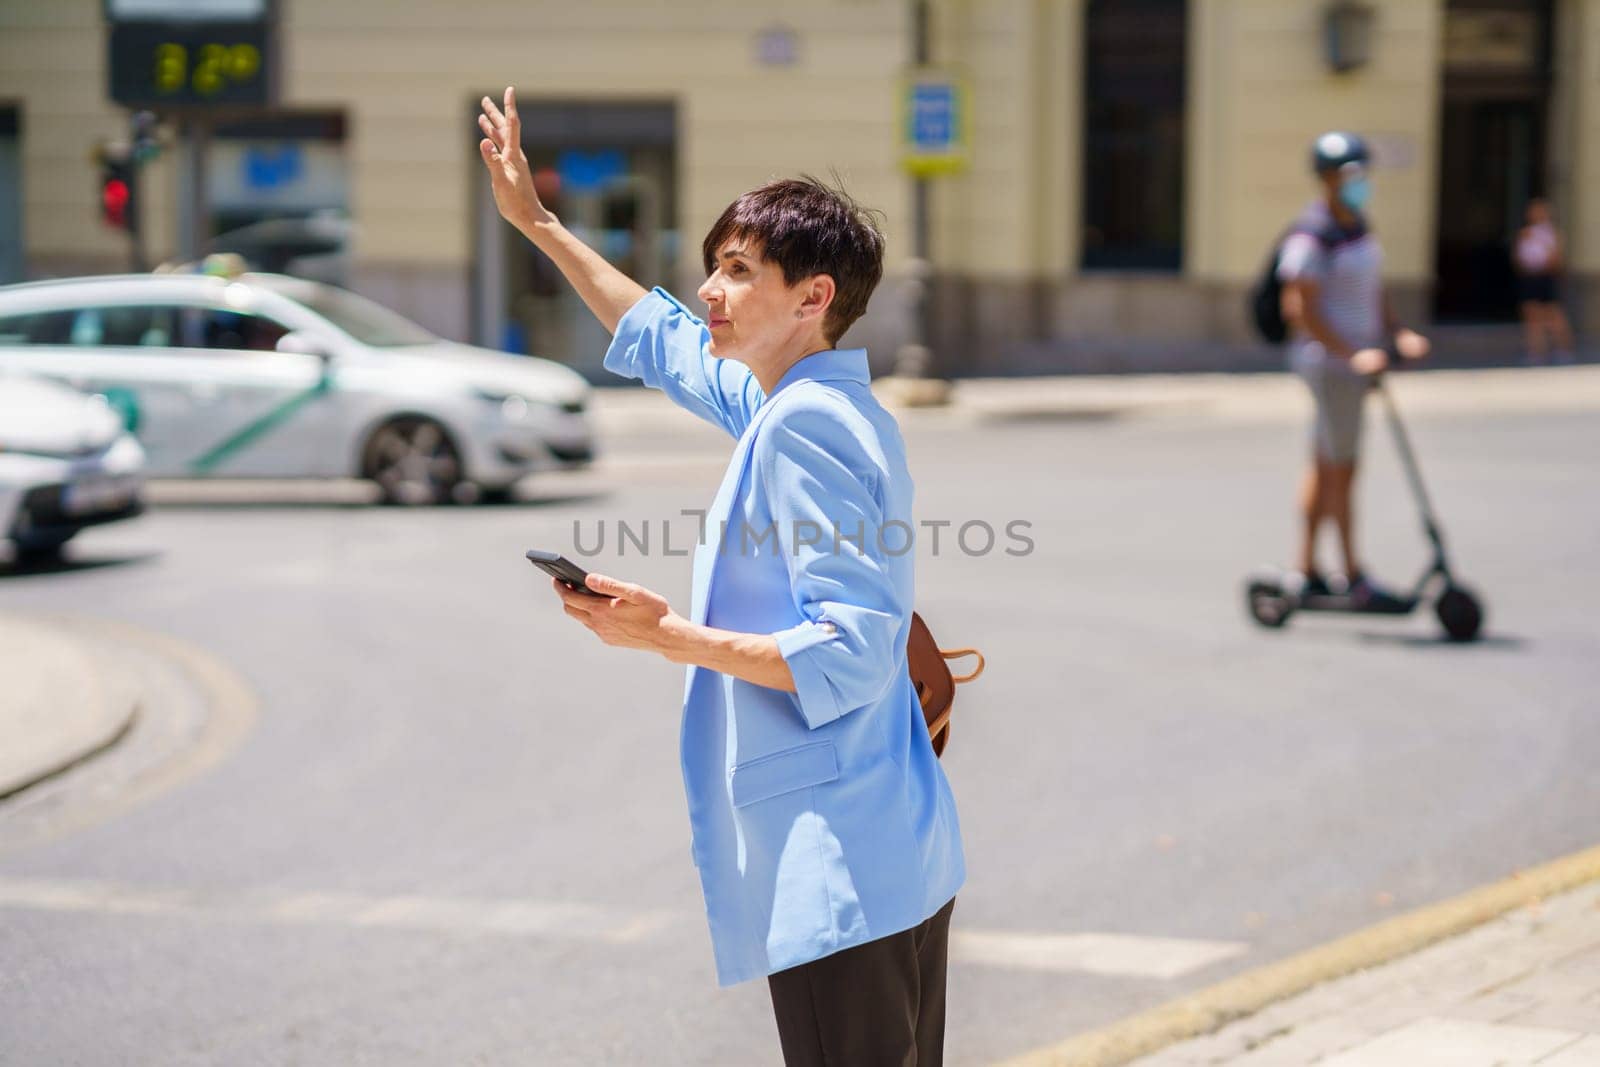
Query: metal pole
x=194, y=223
x=1408, y=460
x=914, y=357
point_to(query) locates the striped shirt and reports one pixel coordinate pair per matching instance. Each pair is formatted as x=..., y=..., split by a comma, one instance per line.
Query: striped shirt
x=1347, y=264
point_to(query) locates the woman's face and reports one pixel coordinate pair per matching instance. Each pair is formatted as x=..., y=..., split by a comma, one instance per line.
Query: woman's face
x=750, y=309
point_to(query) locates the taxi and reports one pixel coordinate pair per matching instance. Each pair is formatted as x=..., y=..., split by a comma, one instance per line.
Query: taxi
x=243, y=375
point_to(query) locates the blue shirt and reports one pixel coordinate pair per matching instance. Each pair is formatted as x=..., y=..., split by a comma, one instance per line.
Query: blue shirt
x=821, y=819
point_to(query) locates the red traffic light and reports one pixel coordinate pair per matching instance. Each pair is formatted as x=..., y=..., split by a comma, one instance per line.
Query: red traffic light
x=114, y=196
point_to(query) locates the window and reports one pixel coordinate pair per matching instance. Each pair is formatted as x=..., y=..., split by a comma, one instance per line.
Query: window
x=1135, y=70
x=220, y=328
x=368, y=322
x=114, y=326
x=38, y=328
x=143, y=326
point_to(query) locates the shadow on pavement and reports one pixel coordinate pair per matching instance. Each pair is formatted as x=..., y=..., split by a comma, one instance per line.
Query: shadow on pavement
x=1050, y=415
x=69, y=564
x=1495, y=641
x=317, y=498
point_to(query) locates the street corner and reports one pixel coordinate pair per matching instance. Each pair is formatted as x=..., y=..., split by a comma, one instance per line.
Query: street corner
x=98, y=716
x=58, y=707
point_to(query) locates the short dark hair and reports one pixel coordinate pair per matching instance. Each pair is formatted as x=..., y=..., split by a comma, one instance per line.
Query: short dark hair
x=808, y=227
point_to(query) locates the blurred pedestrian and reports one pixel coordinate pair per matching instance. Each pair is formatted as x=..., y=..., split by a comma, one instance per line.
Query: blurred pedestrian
x=1341, y=319
x=1540, y=262
x=823, y=826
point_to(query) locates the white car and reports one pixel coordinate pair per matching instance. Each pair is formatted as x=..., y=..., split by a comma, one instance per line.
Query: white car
x=66, y=462
x=261, y=375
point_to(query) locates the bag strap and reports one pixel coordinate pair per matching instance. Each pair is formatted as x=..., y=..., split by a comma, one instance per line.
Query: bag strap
x=942, y=720
x=957, y=653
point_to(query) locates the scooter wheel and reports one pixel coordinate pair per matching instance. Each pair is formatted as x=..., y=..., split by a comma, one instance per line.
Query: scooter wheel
x=1459, y=613
x=1268, y=603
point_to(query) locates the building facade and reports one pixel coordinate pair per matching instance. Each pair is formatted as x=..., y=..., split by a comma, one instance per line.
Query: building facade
x=1131, y=161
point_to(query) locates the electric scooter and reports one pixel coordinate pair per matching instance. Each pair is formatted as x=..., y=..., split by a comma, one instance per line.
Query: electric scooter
x=1273, y=596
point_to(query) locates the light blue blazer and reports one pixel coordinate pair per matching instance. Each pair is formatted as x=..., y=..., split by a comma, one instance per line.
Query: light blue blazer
x=820, y=819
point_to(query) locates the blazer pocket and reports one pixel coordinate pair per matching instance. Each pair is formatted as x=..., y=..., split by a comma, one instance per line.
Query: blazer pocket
x=784, y=772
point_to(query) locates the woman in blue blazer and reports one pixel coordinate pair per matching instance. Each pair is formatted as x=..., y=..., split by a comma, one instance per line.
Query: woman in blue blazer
x=825, y=832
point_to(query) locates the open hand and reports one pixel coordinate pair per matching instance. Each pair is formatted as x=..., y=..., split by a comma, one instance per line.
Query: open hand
x=509, y=174
x=629, y=616
x=1411, y=344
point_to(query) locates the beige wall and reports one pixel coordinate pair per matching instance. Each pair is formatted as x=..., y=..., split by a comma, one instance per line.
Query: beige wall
x=406, y=75
x=1260, y=92
x=52, y=62
x=1580, y=78
x=410, y=73
x=1013, y=214
x=1576, y=166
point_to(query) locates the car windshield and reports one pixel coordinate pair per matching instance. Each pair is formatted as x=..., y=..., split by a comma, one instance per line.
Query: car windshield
x=368, y=322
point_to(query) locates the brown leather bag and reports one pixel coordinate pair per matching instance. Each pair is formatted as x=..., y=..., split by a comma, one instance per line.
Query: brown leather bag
x=936, y=686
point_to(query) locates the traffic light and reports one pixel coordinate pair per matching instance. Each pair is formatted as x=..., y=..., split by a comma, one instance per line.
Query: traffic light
x=118, y=208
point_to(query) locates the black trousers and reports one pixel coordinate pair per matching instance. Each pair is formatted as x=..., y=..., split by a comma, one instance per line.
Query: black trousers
x=880, y=1004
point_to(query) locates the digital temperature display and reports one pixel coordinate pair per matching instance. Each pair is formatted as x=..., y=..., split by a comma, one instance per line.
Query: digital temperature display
x=189, y=64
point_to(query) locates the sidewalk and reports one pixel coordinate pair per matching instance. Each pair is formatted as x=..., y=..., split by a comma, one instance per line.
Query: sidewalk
x=1523, y=989
x=1242, y=397
x=55, y=708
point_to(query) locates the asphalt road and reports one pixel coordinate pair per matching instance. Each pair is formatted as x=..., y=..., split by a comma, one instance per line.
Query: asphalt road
x=455, y=831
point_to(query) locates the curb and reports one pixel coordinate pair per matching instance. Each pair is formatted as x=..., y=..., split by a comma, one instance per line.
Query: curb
x=196, y=712
x=1211, y=1008
x=64, y=675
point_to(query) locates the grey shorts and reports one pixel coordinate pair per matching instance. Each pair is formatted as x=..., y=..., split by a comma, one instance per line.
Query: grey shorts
x=1340, y=394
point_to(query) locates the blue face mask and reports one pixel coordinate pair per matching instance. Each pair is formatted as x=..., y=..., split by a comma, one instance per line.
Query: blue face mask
x=1355, y=192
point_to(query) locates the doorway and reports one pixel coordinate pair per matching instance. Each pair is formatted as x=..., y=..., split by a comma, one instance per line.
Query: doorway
x=609, y=171
x=10, y=194
x=1494, y=112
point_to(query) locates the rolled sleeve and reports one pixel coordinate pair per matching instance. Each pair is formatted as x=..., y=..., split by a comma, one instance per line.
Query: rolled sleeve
x=845, y=653
x=662, y=344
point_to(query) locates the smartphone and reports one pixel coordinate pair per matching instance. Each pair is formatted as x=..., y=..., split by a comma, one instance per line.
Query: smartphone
x=562, y=570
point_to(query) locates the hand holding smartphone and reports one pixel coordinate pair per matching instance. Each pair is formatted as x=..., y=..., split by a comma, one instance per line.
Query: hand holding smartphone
x=563, y=570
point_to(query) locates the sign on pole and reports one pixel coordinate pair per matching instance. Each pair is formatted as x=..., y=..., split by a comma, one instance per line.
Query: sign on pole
x=190, y=54
x=935, y=122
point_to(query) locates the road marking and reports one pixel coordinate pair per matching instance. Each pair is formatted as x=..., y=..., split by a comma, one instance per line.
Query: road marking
x=1118, y=955
x=560, y=920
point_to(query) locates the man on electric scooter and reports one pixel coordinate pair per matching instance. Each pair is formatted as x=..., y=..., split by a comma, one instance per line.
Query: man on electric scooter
x=1340, y=317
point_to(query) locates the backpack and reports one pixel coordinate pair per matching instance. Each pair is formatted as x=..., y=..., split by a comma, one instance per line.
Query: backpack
x=1265, y=302
x=930, y=673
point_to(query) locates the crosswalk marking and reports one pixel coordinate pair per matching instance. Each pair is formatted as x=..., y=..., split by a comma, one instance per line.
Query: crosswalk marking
x=1119, y=955
x=520, y=918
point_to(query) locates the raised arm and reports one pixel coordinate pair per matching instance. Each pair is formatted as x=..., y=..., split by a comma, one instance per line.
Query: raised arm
x=661, y=343
x=607, y=291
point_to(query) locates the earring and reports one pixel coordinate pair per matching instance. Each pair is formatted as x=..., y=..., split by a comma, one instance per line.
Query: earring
x=799, y=314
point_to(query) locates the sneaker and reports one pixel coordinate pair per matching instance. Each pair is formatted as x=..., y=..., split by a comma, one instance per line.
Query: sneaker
x=1367, y=595
x=1311, y=583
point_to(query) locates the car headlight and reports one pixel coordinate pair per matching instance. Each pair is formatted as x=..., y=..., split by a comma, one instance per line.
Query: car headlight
x=513, y=406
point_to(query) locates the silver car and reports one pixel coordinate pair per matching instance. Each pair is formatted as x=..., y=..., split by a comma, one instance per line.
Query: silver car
x=261, y=375
x=66, y=462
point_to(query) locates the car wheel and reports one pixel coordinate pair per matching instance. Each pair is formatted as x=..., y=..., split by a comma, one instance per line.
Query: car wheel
x=414, y=461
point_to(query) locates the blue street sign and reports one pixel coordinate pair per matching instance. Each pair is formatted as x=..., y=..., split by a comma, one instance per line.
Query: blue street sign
x=935, y=131
x=933, y=117
x=588, y=172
